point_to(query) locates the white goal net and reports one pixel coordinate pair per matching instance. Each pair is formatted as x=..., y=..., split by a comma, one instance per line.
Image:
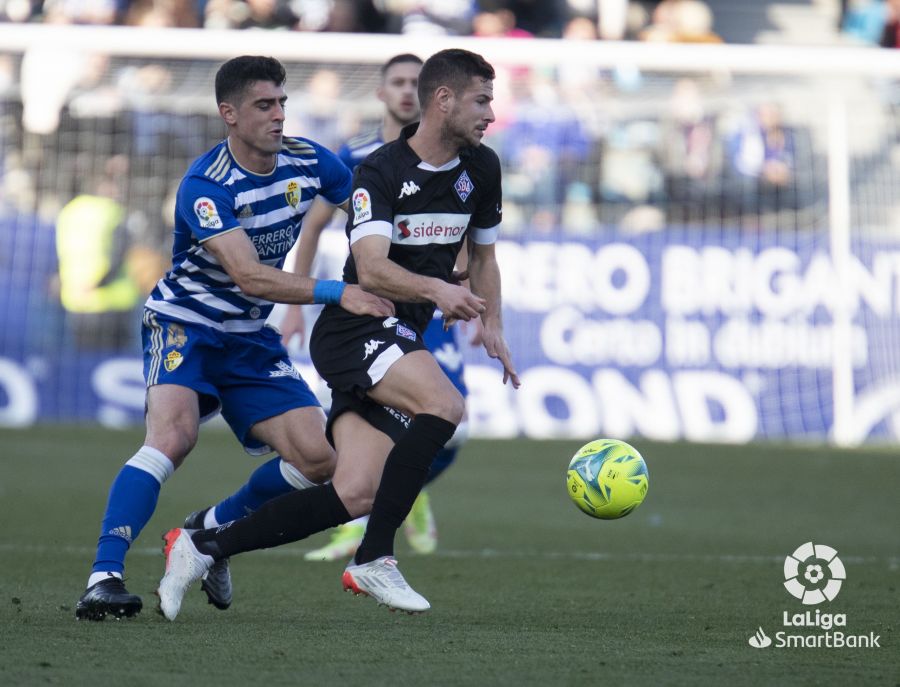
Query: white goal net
x=699, y=242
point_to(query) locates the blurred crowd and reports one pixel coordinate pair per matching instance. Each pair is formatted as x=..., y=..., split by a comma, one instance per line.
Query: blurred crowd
x=689, y=20
x=875, y=22
x=585, y=150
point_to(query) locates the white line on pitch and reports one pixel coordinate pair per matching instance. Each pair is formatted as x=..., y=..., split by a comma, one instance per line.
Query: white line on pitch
x=295, y=552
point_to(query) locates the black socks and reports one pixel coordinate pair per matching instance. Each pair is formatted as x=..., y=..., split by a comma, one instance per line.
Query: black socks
x=291, y=517
x=404, y=474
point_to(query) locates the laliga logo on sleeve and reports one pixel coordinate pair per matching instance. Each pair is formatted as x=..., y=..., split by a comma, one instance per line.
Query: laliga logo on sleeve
x=207, y=214
x=814, y=573
x=362, y=206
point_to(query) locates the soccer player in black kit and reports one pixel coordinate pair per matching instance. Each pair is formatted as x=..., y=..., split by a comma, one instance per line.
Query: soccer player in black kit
x=414, y=202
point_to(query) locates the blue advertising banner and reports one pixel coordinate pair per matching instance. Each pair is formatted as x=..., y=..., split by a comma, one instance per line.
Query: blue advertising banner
x=683, y=334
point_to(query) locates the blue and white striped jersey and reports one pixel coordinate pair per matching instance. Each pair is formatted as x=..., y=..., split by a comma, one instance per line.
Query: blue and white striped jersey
x=358, y=148
x=217, y=196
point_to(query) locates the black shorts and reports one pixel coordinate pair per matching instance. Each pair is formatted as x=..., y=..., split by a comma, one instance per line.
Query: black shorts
x=387, y=420
x=352, y=353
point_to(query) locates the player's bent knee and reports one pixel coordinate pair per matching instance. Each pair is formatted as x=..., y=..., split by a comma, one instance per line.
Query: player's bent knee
x=356, y=496
x=450, y=407
x=176, y=443
x=317, y=469
x=316, y=460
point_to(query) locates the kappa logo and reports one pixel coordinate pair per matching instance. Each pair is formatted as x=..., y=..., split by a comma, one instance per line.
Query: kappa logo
x=371, y=347
x=409, y=188
x=283, y=369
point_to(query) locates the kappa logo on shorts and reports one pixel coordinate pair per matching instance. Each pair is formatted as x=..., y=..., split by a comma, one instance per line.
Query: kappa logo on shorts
x=173, y=360
x=283, y=369
x=464, y=186
x=406, y=332
x=371, y=347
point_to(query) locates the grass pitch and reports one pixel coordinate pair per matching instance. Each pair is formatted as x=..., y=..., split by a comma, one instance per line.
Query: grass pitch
x=525, y=589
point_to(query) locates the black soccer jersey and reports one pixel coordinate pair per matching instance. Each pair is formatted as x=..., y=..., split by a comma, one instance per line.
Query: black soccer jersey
x=426, y=211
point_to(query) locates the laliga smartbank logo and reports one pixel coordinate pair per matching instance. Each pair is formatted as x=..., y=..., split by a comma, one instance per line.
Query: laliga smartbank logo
x=813, y=574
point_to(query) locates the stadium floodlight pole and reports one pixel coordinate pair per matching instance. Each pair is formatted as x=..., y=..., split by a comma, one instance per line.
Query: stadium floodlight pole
x=843, y=429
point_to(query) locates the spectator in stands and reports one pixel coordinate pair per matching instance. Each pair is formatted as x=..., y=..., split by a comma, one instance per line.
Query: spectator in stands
x=431, y=17
x=890, y=37
x=761, y=160
x=320, y=110
x=247, y=14
x=79, y=12
x=98, y=288
x=499, y=23
x=865, y=20
x=545, y=147
x=681, y=21
x=690, y=150
x=160, y=13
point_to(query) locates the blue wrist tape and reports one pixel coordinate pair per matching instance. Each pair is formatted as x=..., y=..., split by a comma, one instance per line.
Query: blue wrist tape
x=328, y=291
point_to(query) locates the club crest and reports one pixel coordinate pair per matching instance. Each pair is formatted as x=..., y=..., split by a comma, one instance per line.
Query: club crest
x=464, y=186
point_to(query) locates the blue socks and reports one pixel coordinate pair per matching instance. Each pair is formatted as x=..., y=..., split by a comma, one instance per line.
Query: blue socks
x=269, y=480
x=132, y=500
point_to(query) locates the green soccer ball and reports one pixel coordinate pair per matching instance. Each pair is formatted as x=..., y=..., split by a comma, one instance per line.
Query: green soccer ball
x=607, y=479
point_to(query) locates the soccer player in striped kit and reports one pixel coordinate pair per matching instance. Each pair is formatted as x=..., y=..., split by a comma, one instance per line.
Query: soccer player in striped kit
x=206, y=347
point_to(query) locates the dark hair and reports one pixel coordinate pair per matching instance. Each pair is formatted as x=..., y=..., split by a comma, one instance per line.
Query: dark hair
x=235, y=75
x=453, y=68
x=403, y=58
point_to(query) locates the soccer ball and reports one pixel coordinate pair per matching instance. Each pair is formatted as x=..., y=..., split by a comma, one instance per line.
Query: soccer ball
x=607, y=479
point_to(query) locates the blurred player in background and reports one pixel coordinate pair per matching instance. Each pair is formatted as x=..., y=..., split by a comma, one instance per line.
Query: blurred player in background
x=397, y=90
x=206, y=347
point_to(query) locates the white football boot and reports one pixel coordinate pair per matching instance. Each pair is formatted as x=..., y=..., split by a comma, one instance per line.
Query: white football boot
x=381, y=580
x=184, y=566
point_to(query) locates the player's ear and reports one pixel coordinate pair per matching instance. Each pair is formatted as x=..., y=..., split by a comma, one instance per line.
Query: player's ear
x=228, y=112
x=443, y=98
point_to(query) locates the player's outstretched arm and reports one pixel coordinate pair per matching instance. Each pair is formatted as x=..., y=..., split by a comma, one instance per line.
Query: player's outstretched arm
x=484, y=277
x=379, y=274
x=237, y=255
